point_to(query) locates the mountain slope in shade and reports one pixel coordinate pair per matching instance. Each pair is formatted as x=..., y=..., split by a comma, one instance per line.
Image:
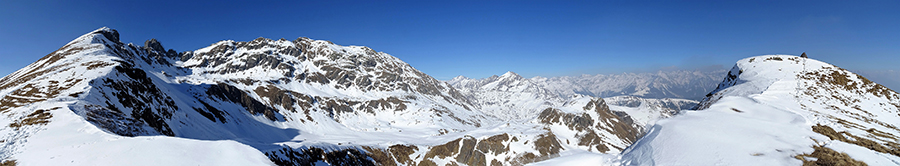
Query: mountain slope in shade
x=52, y=120
x=780, y=110
x=97, y=101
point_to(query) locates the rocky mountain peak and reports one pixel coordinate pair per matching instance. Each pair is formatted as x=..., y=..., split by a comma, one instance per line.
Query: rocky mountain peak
x=154, y=45
x=281, y=102
x=107, y=32
x=511, y=75
x=459, y=78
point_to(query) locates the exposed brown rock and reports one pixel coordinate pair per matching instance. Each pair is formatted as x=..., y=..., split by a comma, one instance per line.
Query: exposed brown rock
x=494, y=144
x=496, y=163
x=468, y=154
x=592, y=139
x=233, y=94
x=446, y=150
x=38, y=117
x=427, y=162
x=8, y=163
x=547, y=144
x=402, y=153
x=869, y=144
x=828, y=157
x=609, y=121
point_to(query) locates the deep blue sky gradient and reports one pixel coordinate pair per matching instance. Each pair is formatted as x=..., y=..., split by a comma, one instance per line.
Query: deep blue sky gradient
x=482, y=38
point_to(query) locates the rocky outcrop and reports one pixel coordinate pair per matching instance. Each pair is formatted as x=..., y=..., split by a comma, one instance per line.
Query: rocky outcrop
x=311, y=156
x=230, y=93
x=595, y=126
x=299, y=102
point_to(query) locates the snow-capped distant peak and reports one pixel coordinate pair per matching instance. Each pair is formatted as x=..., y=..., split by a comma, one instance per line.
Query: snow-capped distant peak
x=97, y=101
x=460, y=77
x=457, y=79
x=511, y=75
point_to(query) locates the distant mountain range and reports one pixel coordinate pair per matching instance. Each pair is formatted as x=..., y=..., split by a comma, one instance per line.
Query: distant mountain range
x=683, y=84
x=98, y=101
x=888, y=78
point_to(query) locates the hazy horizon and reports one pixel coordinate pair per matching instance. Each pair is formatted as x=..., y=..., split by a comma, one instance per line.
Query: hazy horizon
x=478, y=39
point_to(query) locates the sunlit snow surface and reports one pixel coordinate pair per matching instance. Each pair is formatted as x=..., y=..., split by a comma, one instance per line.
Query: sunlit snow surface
x=70, y=138
x=72, y=141
x=578, y=158
x=760, y=118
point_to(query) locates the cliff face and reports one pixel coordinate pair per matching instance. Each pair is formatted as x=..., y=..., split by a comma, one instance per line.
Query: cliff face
x=272, y=102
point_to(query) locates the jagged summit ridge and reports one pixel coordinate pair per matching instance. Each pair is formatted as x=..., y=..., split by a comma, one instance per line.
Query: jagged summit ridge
x=277, y=101
x=511, y=75
x=108, y=33
x=133, y=90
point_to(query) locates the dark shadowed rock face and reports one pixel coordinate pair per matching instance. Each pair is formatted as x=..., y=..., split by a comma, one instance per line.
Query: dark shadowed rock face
x=110, y=34
x=218, y=93
x=114, y=121
x=154, y=45
x=230, y=93
x=139, y=95
x=310, y=157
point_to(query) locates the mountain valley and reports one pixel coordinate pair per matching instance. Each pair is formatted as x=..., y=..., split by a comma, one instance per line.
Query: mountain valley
x=98, y=101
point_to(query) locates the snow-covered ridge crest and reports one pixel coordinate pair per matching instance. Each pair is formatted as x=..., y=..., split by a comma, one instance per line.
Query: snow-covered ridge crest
x=283, y=102
x=780, y=110
x=128, y=90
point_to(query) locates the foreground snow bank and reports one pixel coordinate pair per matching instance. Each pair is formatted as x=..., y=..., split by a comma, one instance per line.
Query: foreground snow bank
x=72, y=141
x=736, y=131
x=575, y=157
x=764, y=113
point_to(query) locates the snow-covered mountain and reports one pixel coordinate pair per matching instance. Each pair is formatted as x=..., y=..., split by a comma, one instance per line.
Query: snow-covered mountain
x=646, y=112
x=508, y=96
x=98, y=101
x=780, y=110
x=683, y=84
x=511, y=96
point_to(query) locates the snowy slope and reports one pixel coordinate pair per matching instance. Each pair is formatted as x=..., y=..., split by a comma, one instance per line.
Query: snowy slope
x=776, y=110
x=280, y=102
x=97, y=101
x=508, y=96
x=44, y=107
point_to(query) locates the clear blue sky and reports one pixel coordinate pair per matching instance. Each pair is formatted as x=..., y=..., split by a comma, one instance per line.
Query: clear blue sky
x=482, y=38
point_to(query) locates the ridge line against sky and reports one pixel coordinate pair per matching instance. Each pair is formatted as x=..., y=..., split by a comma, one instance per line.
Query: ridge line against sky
x=478, y=39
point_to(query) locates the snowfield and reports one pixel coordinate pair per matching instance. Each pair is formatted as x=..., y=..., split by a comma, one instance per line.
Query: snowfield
x=98, y=101
x=69, y=140
x=765, y=113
